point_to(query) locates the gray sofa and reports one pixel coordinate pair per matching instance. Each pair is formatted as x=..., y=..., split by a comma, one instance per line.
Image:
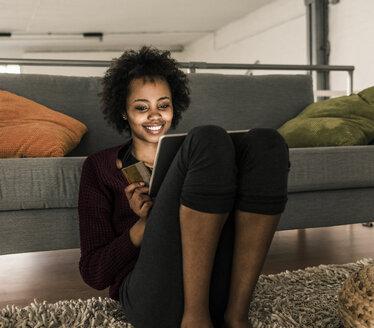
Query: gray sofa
x=38, y=196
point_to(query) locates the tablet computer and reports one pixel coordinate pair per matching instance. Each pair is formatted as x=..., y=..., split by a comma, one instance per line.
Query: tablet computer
x=167, y=148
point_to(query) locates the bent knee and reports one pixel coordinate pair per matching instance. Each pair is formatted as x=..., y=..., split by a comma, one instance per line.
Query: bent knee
x=266, y=138
x=210, y=136
x=208, y=131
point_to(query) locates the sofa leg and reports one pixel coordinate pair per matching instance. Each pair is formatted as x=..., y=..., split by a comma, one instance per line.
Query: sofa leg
x=368, y=224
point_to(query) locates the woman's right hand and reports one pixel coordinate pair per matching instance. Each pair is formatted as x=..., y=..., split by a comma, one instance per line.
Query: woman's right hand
x=141, y=204
x=139, y=200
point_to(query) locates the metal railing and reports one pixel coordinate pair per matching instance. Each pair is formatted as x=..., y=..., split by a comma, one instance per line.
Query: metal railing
x=193, y=66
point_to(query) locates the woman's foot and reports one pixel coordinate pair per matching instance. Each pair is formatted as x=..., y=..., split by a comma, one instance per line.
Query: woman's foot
x=193, y=322
x=234, y=322
x=236, y=325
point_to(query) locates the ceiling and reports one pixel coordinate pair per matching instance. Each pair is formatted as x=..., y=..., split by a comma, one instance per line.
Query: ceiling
x=58, y=25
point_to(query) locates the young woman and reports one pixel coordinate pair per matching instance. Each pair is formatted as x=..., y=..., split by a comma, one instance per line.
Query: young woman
x=191, y=257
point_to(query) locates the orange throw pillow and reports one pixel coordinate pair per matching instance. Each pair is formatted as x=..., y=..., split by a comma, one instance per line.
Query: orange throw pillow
x=28, y=129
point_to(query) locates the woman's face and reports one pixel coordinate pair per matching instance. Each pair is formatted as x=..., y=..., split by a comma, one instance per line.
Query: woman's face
x=149, y=109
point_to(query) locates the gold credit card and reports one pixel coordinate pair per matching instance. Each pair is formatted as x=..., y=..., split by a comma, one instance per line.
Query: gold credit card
x=137, y=172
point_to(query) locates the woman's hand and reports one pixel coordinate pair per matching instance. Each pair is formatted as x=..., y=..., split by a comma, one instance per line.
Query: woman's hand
x=139, y=200
x=140, y=203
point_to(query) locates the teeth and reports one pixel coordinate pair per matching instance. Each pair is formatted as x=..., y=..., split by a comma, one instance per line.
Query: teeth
x=154, y=128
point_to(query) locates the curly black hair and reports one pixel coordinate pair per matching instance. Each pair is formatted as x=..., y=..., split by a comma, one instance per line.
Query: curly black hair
x=146, y=63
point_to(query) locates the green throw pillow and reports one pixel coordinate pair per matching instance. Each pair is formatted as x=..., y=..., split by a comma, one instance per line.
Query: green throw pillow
x=341, y=121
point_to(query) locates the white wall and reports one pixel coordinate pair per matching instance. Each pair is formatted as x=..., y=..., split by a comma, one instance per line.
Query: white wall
x=273, y=34
x=352, y=42
x=276, y=34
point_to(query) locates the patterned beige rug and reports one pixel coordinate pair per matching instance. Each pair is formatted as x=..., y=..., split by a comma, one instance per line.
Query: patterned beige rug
x=302, y=298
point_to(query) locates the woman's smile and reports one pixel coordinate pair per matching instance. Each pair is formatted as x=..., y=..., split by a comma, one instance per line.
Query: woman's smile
x=155, y=129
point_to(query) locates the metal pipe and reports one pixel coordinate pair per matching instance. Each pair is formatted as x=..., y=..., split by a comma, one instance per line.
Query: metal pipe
x=350, y=82
x=189, y=65
x=199, y=65
x=54, y=62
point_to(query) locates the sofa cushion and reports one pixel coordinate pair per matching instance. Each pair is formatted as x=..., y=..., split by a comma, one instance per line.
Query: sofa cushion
x=244, y=102
x=331, y=168
x=35, y=183
x=28, y=129
x=341, y=121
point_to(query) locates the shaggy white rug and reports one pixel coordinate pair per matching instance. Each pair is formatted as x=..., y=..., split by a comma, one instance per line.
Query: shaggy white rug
x=302, y=298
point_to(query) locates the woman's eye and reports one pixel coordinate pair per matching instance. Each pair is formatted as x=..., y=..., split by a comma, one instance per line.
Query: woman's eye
x=164, y=106
x=141, y=108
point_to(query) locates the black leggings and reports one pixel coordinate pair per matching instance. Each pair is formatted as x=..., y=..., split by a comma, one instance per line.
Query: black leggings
x=211, y=173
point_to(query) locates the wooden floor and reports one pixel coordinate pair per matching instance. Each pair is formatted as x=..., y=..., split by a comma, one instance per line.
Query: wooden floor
x=54, y=275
